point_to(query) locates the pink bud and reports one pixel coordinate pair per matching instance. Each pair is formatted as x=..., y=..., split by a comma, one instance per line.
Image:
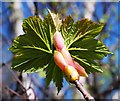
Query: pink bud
x=69, y=71
x=67, y=57
x=80, y=69
x=58, y=41
x=59, y=60
x=64, y=60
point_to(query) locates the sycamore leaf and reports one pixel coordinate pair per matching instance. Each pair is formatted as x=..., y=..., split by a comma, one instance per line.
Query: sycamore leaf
x=49, y=71
x=77, y=31
x=31, y=48
x=54, y=73
x=56, y=20
x=58, y=78
x=87, y=51
x=42, y=73
x=33, y=51
x=79, y=39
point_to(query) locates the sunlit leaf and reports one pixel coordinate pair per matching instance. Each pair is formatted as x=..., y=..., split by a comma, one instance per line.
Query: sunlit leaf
x=79, y=39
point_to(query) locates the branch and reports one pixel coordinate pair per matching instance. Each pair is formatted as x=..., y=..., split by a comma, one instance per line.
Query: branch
x=36, y=9
x=36, y=83
x=12, y=91
x=14, y=75
x=80, y=87
x=114, y=85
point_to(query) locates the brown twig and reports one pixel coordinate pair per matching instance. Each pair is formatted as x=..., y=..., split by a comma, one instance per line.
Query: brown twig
x=12, y=91
x=86, y=95
x=13, y=73
x=36, y=9
x=113, y=86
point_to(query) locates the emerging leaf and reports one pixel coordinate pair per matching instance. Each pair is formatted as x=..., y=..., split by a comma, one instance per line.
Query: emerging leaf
x=58, y=41
x=59, y=60
x=80, y=69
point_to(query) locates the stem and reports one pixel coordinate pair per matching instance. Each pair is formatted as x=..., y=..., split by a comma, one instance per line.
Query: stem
x=86, y=95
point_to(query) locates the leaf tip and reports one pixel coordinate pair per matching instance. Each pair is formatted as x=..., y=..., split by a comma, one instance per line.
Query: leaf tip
x=10, y=48
x=49, y=11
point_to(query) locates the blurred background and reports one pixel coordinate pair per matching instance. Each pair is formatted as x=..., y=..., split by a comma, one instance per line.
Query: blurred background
x=15, y=85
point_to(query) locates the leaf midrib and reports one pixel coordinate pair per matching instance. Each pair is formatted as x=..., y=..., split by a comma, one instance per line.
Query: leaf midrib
x=84, y=49
x=37, y=34
x=78, y=37
x=37, y=48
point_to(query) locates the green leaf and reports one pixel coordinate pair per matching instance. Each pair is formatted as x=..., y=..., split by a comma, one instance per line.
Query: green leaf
x=49, y=71
x=33, y=26
x=89, y=67
x=33, y=51
x=93, y=47
x=49, y=28
x=56, y=20
x=42, y=73
x=77, y=31
x=54, y=73
x=79, y=39
x=51, y=23
x=68, y=30
x=32, y=48
x=58, y=78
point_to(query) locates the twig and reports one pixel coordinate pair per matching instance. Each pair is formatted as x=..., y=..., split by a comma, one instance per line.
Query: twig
x=36, y=9
x=16, y=92
x=86, y=95
x=36, y=83
x=15, y=76
x=114, y=85
x=12, y=91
